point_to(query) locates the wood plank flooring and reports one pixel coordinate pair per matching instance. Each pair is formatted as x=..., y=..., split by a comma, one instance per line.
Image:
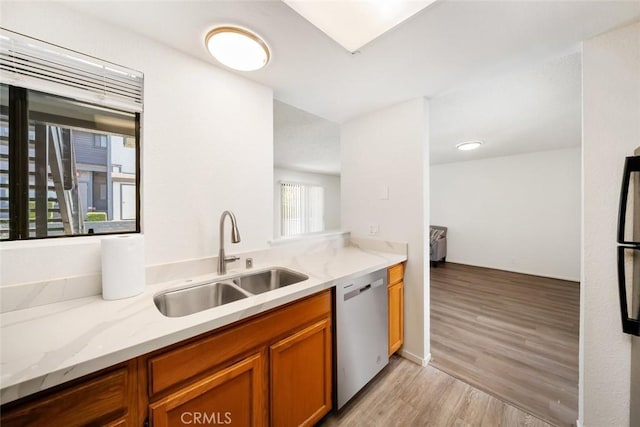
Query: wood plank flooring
x=407, y=395
x=512, y=335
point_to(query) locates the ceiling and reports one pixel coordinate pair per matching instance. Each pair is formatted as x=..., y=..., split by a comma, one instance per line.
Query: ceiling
x=440, y=47
x=305, y=142
x=504, y=71
x=532, y=108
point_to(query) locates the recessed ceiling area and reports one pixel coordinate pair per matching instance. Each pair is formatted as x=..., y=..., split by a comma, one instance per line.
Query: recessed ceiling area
x=438, y=48
x=304, y=142
x=353, y=24
x=532, y=108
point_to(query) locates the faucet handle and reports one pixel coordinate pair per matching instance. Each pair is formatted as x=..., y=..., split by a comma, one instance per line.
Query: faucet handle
x=231, y=258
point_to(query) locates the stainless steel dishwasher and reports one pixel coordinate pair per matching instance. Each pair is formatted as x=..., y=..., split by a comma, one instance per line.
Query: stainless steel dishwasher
x=362, y=332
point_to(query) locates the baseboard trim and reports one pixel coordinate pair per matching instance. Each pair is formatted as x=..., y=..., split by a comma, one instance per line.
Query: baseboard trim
x=514, y=270
x=415, y=359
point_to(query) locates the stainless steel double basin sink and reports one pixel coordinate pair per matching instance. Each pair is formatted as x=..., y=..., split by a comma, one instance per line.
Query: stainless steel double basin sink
x=194, y=298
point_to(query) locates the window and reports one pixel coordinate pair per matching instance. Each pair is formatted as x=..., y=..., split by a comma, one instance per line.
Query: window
x=56, y=176
x=69, y=142
x=301, y=209
x=100, y=141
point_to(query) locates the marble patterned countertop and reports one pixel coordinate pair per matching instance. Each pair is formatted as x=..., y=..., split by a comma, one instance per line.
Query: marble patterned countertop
x=50, y=344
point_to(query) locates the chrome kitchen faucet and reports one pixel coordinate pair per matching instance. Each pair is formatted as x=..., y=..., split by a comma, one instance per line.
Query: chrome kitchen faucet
x=235, y=238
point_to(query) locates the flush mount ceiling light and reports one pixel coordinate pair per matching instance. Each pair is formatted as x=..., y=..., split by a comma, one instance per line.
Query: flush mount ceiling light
x=237, y=48
x=468, y=145
x=355, y=23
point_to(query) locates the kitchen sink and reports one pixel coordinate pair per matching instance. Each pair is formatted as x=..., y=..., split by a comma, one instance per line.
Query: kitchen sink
x=184, y=301
x=192, y=299
x=267, y=280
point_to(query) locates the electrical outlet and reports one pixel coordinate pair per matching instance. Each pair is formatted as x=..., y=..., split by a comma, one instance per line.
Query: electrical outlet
x=374, y=229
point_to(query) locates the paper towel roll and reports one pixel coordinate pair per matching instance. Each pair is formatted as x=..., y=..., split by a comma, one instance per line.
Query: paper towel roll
x=122, y=266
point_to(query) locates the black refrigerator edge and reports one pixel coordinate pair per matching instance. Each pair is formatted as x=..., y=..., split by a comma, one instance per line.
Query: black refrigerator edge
x=629, y=272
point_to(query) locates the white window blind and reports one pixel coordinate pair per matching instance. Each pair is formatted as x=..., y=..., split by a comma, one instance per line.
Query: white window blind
x=301, y=209
x=34, y=64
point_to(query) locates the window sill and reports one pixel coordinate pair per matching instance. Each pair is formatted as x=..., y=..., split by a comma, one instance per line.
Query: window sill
x=323, y=235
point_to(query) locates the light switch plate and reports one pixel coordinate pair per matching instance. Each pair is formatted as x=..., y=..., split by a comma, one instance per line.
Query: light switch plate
x=384, y=192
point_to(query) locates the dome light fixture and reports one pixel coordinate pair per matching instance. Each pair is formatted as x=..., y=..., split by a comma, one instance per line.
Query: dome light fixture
x=237, y=48
x=468, y=145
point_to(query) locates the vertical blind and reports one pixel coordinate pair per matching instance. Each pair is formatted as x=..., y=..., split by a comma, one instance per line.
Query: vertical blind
x=301, y=209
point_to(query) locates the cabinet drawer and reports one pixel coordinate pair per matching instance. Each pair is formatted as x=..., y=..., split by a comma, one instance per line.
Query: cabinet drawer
x=193, y=360
x=102, y=400
x=396, y=273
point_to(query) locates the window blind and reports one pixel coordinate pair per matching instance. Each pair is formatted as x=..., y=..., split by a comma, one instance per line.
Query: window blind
x=37, y=65
x=301, y=209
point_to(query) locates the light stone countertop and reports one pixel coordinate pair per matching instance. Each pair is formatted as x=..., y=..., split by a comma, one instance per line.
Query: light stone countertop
x=50, y=344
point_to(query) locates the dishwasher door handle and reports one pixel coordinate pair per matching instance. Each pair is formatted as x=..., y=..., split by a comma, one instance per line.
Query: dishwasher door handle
x=356, y=292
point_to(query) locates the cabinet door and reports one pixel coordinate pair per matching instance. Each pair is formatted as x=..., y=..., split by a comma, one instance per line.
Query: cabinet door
x=300, y=376
x=396, y=273
x=396, y=327
x=234, y=396
x=104, y=399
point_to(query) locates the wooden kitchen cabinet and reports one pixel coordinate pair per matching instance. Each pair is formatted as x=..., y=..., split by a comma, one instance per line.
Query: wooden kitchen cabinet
x=274, y=368
x=300, y=376
x=395, y=291
x=107, y=398
x=234, y=396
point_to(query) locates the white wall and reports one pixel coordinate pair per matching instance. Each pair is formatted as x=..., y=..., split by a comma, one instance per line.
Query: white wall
x=388, y=149
x=611, y=131
x=207, y=146
x=331, y=184
x=517, y=213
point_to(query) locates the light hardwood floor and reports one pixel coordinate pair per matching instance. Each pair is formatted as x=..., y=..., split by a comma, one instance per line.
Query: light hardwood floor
x=407, y=395
x=512, y=335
